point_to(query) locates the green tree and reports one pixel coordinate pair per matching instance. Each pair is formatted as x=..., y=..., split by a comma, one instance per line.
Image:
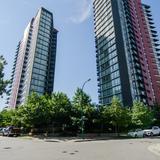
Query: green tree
x=141, y=114
x=36, y=112
x=7, y=117
x=60, y=109
x=3, y=83
x=156, y=112
x=81, y=99
x=117, y=115
x=1, y=119
x=82, y=108
x=44, y=111
x=104, y=119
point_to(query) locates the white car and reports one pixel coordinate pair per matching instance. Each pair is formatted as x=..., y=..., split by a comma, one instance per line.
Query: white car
x=1, y=131
x=136, y=133
x=154, y=131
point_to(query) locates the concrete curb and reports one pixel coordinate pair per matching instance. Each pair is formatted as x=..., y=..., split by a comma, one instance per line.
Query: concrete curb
x=155, y=149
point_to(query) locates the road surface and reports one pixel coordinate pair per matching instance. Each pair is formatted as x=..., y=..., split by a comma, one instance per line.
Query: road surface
x=73, y=149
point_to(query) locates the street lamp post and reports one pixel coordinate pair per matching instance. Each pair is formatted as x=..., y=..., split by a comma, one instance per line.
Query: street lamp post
x=81, y=103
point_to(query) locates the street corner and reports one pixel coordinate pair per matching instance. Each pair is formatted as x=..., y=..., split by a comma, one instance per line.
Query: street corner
x=155, y=148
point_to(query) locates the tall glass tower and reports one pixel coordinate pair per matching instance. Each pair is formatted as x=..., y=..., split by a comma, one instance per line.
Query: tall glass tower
x=34, y=64
x=128, y=54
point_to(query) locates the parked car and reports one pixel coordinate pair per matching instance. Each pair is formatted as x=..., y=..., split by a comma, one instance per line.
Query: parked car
x=11, y=131
x=1, y=131
x=154, y=131
x=136, y=133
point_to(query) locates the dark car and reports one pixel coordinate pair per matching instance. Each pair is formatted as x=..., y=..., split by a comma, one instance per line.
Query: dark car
x=11, y=131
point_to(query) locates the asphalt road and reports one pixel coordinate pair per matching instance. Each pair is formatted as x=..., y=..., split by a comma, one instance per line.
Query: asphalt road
x=65, y=149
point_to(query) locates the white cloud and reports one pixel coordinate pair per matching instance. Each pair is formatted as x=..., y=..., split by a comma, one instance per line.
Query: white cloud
x=83, y=9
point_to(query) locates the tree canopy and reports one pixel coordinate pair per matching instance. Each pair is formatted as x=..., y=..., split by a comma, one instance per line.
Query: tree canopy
x=142, y=116
x=3, y=83
x=58, y=111
x=117, y=115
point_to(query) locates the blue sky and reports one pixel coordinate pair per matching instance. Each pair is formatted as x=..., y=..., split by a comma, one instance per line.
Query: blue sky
x=76, y=60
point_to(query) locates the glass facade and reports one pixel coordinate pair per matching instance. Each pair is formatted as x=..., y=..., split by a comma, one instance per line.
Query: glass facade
x=107, y=60
x=38, y=48
x=41, y=55
x=128, y=60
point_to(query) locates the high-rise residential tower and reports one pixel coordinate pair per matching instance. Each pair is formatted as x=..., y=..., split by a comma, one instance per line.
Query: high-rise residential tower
x=128, y=54
x=34, y=64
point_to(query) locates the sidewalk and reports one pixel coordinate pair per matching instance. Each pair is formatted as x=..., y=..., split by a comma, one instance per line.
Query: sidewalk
x=71, y=139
